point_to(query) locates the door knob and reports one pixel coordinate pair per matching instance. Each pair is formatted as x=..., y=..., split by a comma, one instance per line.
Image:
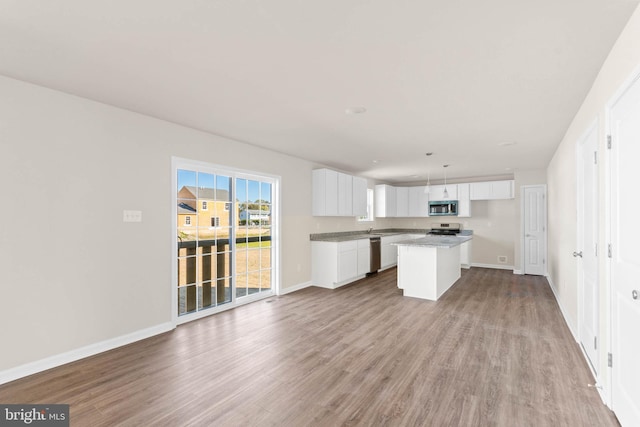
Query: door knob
x=577, y=254
x=634, y=294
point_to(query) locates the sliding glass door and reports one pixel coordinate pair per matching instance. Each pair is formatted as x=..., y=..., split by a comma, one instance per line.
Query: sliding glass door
x=224, y=229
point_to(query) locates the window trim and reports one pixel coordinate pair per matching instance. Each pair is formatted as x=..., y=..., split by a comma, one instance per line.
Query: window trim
x=369, y=217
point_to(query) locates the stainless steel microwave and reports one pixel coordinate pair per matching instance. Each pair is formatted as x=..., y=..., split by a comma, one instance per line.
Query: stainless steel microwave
x=444, y=207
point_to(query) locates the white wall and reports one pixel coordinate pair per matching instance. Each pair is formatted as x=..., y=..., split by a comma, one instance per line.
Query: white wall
x=622, y=62
x=73, y=274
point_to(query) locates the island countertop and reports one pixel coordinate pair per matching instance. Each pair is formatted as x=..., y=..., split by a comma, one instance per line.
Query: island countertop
x=435, y=241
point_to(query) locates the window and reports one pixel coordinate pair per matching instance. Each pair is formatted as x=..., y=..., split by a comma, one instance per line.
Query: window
x=224, y=257
x=369, y=215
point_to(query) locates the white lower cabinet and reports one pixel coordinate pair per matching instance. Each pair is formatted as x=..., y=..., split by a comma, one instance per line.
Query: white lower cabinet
x=388, y=252
x=334, y=264
x=364, y=257
x=465, y=254
x=347, y=261
x=389, y=255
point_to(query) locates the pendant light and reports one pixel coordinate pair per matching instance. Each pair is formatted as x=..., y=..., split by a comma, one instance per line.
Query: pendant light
x=427, y=188
x=445, y=193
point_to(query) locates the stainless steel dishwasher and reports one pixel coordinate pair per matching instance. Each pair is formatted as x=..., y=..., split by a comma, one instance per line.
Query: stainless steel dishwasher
x=375, y=254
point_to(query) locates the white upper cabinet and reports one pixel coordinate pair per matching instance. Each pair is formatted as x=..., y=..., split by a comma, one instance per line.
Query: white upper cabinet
x=503, y=190
x=492, y=190
x=436, y=192
x=337, y=194
x=359, y=196
x=464, y=200
x=414, y=202
x=345, y=194
x=402, y=201
x=418, y=202
x=385, y=201
x=324, y=192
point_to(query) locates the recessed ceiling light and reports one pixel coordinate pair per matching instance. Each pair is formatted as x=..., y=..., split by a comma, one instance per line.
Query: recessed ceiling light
x=506, y=144
x=355, y=110
x=374, y=161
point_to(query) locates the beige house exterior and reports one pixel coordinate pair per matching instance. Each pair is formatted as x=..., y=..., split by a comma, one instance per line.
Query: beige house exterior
x=206, y=211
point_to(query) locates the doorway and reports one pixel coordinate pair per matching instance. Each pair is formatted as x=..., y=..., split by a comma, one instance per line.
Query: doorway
x=225, y=228
x=534, y=220
x=587, y=245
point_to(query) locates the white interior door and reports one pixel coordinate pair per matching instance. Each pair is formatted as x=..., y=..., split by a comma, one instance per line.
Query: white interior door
x=587, y=245
x=535, y=229
x=625, y=256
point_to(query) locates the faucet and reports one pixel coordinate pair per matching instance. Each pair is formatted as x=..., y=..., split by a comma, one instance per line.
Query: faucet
x=369, y=230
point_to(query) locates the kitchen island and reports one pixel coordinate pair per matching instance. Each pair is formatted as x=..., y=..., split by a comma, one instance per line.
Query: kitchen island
x=429, y=266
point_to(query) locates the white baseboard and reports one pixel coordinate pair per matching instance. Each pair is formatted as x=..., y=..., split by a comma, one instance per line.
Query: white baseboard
x=80, y=353
x=294, y=288
x=562, y=310
x=518, y=272
x=497, y=266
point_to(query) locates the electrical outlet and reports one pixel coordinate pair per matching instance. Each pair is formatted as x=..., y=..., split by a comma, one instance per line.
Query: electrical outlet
x=502, y=259
x=131, y=216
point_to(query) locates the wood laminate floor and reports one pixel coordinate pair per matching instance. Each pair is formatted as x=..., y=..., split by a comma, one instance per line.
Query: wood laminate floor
x=494, y=351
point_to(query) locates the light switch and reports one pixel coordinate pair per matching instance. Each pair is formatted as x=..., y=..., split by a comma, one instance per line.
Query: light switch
x=132, y=216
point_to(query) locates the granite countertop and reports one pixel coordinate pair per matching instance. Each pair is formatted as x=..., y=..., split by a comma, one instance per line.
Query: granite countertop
x=344, y=236
x=357, y=235
x=435, y=241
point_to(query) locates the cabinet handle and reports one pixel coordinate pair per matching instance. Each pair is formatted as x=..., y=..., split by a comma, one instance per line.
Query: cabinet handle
x=634, y=294
x=577, y=254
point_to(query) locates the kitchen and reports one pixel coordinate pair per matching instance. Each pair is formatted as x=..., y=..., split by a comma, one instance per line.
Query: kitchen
x=471, y=201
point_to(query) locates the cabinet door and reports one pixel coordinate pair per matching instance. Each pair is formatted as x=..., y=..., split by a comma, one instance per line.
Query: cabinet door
x=502, y=190
x=385, y=201
x=464, y=202
x=325, y=192
x=389, y=255
x=418, y=202
x=436, y=192
x=347, y=260
x=359, y=196
x=402, y=201
x=364, y=256
x=480, y=190
x=345, y=194
x=392, y=202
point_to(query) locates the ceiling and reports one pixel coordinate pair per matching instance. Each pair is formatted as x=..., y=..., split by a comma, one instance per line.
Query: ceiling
x=490, y=87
